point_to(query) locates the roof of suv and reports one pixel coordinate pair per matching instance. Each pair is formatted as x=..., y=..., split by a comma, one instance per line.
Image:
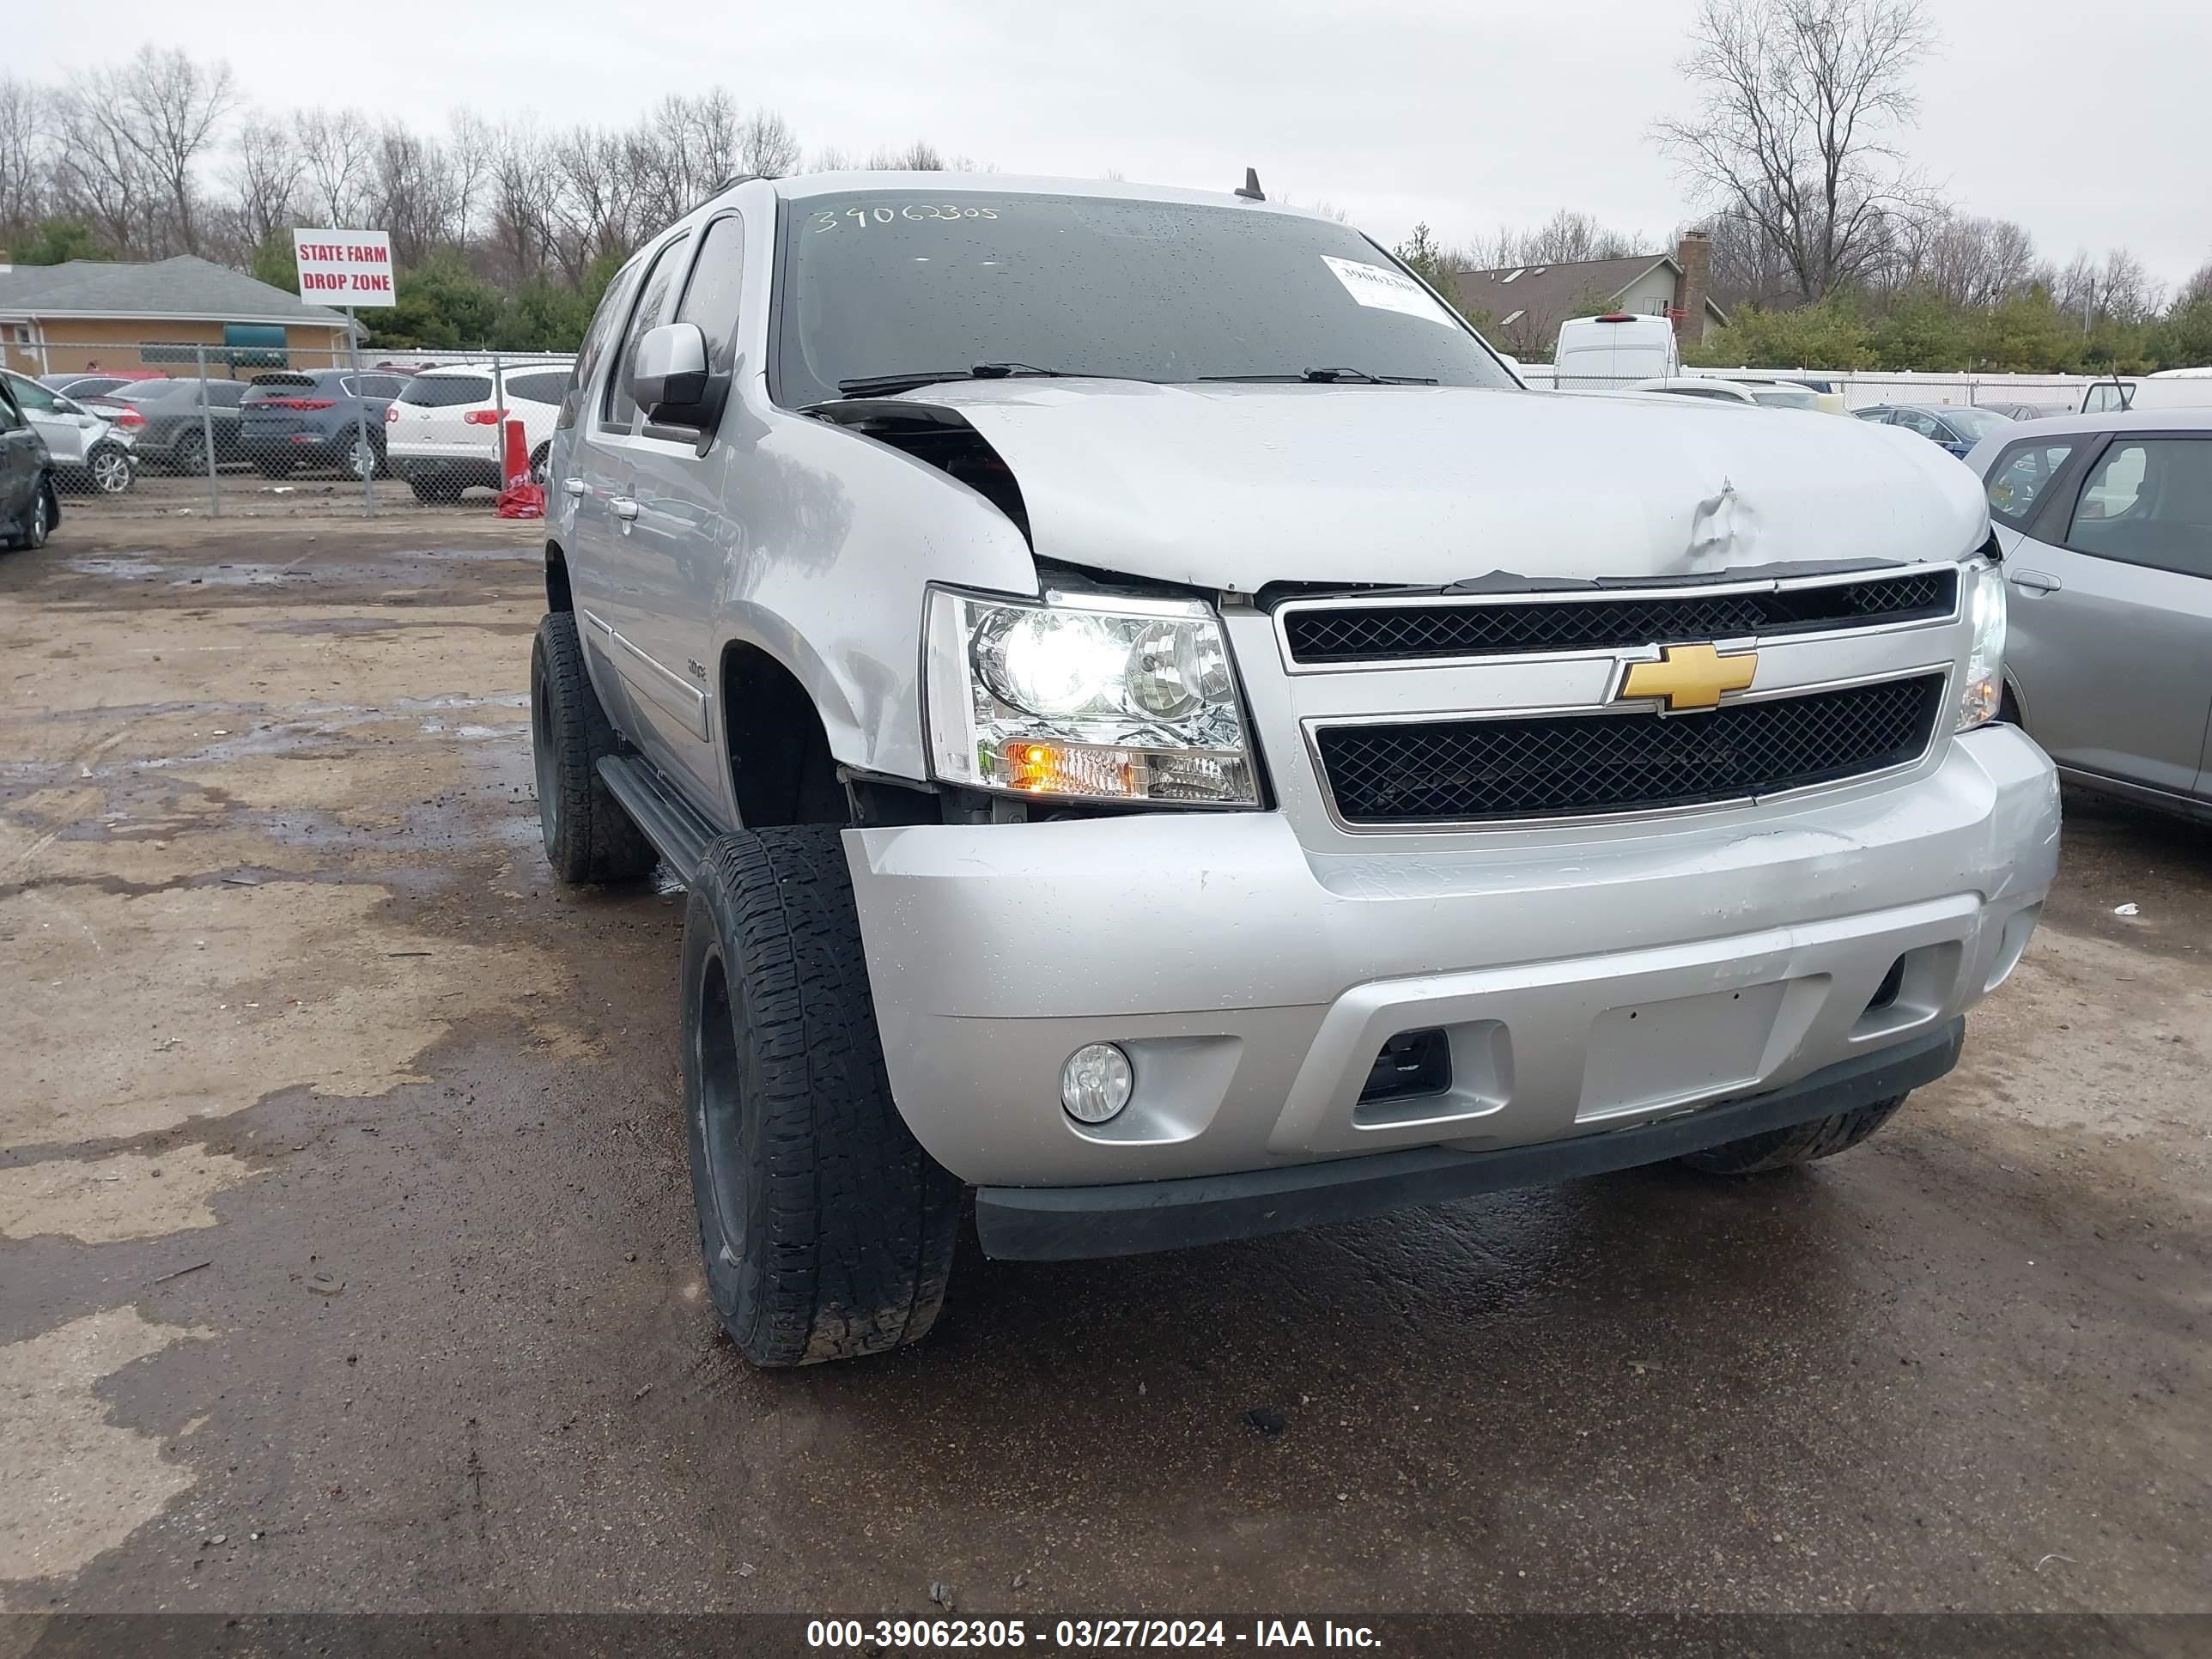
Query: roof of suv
x=2113, y=420
x=805, y=186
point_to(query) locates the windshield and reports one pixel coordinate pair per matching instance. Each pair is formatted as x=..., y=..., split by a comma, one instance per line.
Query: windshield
x=891, y=282
x=1975, y=423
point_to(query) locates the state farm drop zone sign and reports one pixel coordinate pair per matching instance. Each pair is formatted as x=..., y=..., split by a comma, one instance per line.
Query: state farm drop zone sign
x=344, y=267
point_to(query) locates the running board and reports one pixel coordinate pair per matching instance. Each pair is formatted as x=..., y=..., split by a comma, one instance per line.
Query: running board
x=674, y=827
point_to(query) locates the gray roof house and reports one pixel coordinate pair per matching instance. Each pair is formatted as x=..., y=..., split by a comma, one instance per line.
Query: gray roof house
x=1526, y=304
x=89, y=312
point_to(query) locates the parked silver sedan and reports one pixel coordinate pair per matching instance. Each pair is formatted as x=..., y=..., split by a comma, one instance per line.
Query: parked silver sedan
x=2106, y=523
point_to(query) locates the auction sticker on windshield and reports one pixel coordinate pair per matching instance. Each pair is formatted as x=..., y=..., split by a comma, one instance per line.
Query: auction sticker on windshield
x=1387, y=290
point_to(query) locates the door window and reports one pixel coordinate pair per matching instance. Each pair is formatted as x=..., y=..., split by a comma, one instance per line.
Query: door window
x=605, y=321
x=710, y=298
x=11, y=419
x=617, y=411
x=1926, y=425
x=31, y=395
x=2149, y=500
x=2020, y=478
x=224, y=394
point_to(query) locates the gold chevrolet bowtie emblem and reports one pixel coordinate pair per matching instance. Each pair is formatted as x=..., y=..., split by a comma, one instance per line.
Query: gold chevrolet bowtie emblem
x=1689, y=677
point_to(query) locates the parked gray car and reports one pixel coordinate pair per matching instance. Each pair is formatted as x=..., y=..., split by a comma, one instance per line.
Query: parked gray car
x=2106, y=523
x=1159, y=728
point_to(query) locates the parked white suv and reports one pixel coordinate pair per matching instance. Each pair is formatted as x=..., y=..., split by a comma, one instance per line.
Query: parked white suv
x=1159, y=728
x=442, y=434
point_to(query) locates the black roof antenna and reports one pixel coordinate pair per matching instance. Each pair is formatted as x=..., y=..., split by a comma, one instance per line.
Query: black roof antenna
x=1249, y=190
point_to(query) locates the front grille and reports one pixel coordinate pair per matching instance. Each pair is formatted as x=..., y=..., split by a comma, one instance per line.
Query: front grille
x=1457, y=771
x=1409, y=633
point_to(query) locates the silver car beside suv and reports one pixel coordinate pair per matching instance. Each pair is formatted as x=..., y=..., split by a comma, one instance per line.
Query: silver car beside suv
x=1160, y=728
x=2106, y=523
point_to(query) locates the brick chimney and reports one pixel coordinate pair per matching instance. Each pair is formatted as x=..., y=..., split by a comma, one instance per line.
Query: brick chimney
x=1695, y=256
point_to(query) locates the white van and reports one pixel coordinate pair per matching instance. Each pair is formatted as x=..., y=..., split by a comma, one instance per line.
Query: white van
x=2171, y=388
x=1607, y=353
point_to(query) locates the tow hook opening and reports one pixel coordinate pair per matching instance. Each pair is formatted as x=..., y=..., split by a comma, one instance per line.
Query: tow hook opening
x=1411, y=1064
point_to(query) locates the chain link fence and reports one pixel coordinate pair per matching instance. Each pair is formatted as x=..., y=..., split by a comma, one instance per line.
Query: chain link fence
x=237, y=431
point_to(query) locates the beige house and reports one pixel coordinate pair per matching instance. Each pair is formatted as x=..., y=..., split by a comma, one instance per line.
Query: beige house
x=1526, y=304
x=90, y=314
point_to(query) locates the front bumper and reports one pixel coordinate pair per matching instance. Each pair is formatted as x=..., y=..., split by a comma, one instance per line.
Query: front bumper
x=1584, y=986
x=1063, y=1223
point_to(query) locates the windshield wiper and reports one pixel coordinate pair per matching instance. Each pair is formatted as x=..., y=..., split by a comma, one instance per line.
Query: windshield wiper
x=876, y=386
x=1328, y=377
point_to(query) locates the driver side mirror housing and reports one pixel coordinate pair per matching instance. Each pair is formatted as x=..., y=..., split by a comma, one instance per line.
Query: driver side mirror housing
x=670, y=378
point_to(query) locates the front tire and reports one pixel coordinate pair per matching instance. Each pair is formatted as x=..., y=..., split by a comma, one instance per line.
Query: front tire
x=110, y=467
x=1784, y=1149
x=828, y=1231
x=589, y=837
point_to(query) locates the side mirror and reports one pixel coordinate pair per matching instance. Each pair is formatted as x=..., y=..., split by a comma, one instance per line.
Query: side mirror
x=670, y=380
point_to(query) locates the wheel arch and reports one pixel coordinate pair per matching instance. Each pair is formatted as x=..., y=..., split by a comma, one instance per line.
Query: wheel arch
x=558, y=594
x=777, y=754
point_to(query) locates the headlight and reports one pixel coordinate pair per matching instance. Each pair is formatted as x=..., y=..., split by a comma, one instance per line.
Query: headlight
x=1985, y=608
x=1086, y=696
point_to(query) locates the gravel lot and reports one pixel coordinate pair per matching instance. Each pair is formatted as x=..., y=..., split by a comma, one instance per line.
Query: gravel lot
x=346, y=1257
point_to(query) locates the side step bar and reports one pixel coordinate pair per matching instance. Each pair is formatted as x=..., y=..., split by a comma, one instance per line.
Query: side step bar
x=671, y=823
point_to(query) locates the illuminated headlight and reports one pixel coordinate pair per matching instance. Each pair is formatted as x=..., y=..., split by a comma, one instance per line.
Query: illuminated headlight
x=1985, y=608
x=1088, y=697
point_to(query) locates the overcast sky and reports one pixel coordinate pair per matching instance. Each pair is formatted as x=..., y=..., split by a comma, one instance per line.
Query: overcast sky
x=2089, y=124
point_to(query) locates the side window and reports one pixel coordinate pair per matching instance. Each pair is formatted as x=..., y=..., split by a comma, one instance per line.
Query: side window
x=710, y=298
x=605, y=321
x=2020, y=479
x=224, y=394
x=2149, y=500
x=539, y=388
x=616, y=410
x=385, y=386
x=1913, y=420
x=11, y=418
x=29, y=394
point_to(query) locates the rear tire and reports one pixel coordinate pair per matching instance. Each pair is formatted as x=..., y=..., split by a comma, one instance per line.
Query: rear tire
x=589, y=837
x=1783, y=1149
x=188, y=454
x=828, y=1232
x=430, y=488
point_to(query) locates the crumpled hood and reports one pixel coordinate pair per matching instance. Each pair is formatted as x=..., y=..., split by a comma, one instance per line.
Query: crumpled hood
x=1234, y=487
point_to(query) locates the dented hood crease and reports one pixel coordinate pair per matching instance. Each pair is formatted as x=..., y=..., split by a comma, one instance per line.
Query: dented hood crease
x=1234, y=487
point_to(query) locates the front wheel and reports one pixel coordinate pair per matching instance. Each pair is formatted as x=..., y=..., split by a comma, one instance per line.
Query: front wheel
x=1783, y=1149
x=828, y=1231
x=190, y=455
x=363, y=460
x=110, y=467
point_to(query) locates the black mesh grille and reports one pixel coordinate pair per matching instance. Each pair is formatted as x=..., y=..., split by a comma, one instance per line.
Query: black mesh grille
x=1388, y=633
x=1460, y=771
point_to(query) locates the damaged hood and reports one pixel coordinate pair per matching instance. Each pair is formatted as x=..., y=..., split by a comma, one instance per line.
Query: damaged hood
x=1232, y=487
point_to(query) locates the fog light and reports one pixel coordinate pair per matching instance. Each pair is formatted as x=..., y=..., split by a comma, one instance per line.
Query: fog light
x=1096, y=1083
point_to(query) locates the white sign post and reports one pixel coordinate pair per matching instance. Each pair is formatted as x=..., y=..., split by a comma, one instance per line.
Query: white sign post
x=348, y=268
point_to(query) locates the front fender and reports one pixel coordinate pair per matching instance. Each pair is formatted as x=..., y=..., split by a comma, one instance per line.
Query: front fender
x=838, y=537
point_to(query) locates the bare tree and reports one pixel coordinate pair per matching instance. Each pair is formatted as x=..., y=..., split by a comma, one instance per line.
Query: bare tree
x=136, y=135
x=766, y=146
x=338, y=150
x=2197, y=287
x=1798, y=103
x=1570, y=237
x=27, y=158
x=1969, y=261
x=920, y=156
x=2117, y=290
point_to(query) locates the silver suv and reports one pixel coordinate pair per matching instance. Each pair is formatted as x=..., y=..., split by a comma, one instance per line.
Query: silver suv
x=1159, y=728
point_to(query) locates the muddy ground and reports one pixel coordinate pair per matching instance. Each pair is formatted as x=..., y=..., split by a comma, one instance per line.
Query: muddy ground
x=347, y=1261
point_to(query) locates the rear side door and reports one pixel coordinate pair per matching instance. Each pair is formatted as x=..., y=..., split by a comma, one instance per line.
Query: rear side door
x=2111, y=614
